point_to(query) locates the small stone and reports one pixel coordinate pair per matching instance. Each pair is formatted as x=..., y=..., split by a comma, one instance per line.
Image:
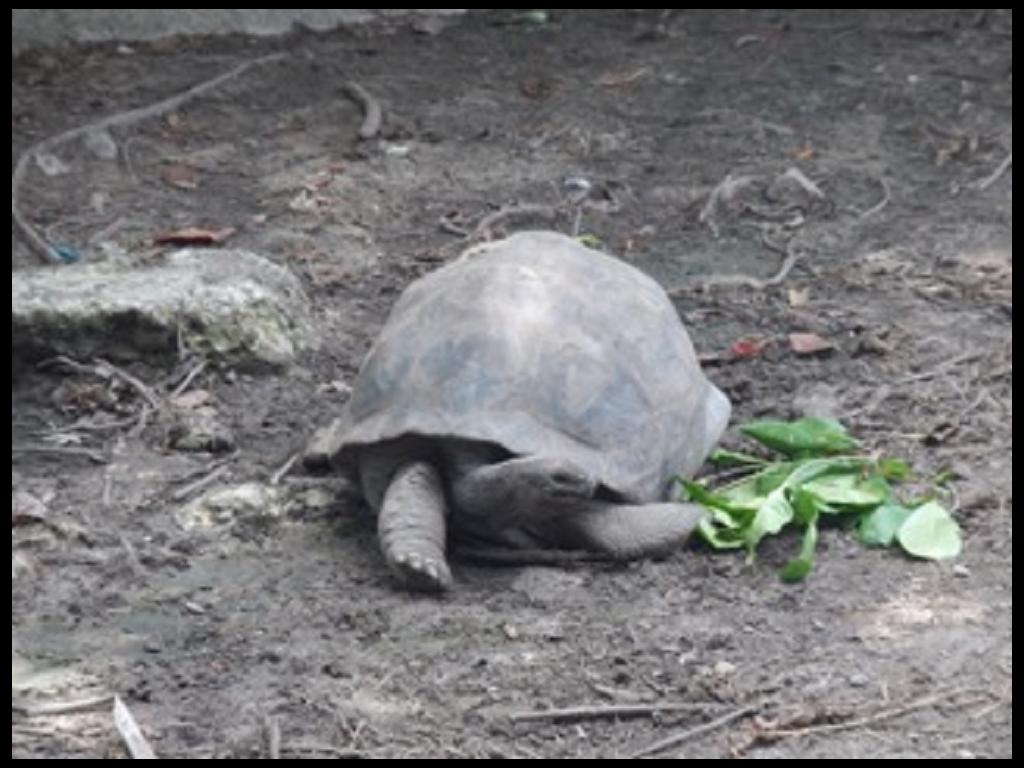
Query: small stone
x=859, y=680
x=223, y=507
x=101, y=144
x=724, y=668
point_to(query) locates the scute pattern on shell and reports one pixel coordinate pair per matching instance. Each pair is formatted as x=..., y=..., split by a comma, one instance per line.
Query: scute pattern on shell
x=545, y=347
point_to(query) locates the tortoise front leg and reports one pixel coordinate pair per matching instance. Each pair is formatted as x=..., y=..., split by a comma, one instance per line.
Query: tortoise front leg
x=412, y=527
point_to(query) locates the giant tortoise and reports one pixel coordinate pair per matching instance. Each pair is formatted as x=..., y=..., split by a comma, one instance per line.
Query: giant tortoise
x=533, y=394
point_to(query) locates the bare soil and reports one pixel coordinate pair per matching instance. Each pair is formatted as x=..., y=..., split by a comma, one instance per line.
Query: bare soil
x=218, y=641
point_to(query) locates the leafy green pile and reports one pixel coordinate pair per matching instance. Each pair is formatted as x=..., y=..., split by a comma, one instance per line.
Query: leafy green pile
x=818, y=476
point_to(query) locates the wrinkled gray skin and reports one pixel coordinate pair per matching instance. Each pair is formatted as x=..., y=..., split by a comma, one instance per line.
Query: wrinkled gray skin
x=533, y=394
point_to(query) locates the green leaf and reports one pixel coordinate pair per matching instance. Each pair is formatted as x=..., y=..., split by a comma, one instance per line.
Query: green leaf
x=769, y=518
x=849, y=490
x=930, y=532
x=776, y=511
x=806, y=506
x=724, y=458
x=819, y=476
x=802, y=438
x=725, y=520
x=810, y=469
x=535, y=17
x=721, y=457
x=743, y=495
x=878, y=527
x=698, y=493
x=893, y=469
x=719, y=538
x=797, y=568
x=774, y=475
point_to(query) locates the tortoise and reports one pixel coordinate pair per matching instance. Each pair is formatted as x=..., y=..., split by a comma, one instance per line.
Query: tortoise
x=532, y=394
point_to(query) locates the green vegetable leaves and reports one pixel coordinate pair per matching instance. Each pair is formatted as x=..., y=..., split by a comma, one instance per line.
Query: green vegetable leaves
x=930, y=532
x=802, y=438
x=812, y=481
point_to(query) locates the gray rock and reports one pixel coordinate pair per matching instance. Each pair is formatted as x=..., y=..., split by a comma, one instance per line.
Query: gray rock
x=235, y=307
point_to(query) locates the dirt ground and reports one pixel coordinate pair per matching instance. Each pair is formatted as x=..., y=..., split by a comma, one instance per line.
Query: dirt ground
x=290, y=637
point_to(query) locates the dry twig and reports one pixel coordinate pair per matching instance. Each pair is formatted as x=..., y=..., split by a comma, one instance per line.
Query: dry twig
x=608, y=711
x=372, y=115
x=993, y=177
x=36, y=243
x=700, y=730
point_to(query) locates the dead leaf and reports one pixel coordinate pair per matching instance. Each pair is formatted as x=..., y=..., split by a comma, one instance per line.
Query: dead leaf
x=996, y=263
x=337, y=387
x=191, y=400
x=536, y=87
x=323, y=177
x=180, y=175
x=744, y=40
x=26, y=508
x=941, y=432
x=194, y=236
x=873, y=343
x=50, y=164
x=63, y=438
x=809, y=343
x=307, y=202
x=615, y=79
x=329, y=275
x=745, y=349
x=78, y=397
x=954, y=147
x=22, y=565
x=798, y=297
